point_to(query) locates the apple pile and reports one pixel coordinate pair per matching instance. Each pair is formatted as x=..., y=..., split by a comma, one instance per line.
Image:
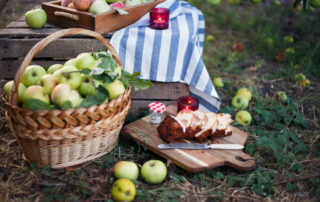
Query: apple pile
x=89, y=79
x=100, y=6
x=152, y=172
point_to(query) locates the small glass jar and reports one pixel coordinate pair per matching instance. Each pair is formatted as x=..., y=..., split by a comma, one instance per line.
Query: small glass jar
x=157, y=110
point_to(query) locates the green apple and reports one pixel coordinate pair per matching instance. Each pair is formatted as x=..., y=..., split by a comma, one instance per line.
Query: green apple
x=288, y=39
x=299, y=77
x=85, y=60
x=282, y=96
x=36, y=18
x=218, y=82
x=153, y=171
x=315, y=3
x=210, y=38
x=243, y=118
x=123, y=190
x=214, y=2
x=277, y=2
x=99, y=6
x=115, y=89
x=118, y=70
x=245, y=92
x=126, y=169
x=269, y=41
x=290, y=51
x=63, y=93
x=73, y=79
x=32, y=75
x=87, y=86
x=240, y=101
x=53, y=68
x=34, y=92
x=304, y=83
x=71, y=62
x=48, y=82
x=8, y=87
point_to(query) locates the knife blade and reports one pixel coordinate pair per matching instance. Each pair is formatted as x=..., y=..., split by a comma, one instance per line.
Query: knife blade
x=199, y=146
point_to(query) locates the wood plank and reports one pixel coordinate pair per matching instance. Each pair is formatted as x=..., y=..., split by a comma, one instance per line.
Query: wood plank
x=144, y=133
x=60, y=48
x=8, y=68
x=162, y=90
x=23, y=24
x=35, y=33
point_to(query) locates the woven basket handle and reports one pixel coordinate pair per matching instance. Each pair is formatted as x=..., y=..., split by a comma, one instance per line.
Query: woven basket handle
x=44, y=42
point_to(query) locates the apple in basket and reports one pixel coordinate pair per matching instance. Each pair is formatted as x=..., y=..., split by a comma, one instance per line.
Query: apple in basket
x=115, y=89
x=34, y=92
x=48, y=82
x=63, y=93
x=87, y=86
x=32, y=75
x=54, y=68
x=71, y=62
x=85, y=60
x=69, y=75
x=8, y=87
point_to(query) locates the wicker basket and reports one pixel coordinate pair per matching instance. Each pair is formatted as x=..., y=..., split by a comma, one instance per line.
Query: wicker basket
x=64, y=138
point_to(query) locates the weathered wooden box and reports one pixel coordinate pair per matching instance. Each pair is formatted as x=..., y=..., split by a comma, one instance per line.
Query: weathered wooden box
x=101, y=23
x=17, y=39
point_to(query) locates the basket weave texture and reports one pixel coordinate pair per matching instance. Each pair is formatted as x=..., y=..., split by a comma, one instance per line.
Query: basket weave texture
x=62, y=138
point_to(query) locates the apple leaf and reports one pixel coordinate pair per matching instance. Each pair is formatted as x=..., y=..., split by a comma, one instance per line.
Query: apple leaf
x=97, y=71
x=103, y=77
x=35, y=104
x=66, y=105
x=133, y=80
x=89, y=101
x=107, y=63
x=100, y=54
x=85, y=71
x=102, y=94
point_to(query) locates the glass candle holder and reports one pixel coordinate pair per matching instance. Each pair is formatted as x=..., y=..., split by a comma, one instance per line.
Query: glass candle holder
x=188, y=103
x=159, y=18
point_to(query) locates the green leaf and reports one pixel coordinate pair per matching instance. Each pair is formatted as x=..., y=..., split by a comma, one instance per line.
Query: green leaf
x=134, y=81
x=67, y=105
x=85, y=71
x=103, y=77
x=35, y=104
x=89, y=101
x=97, y=71
x=102, y=94
x=232, y=180
x=107, y=63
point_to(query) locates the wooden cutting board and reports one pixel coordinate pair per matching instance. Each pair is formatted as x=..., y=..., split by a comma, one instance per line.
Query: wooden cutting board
x=145, y=133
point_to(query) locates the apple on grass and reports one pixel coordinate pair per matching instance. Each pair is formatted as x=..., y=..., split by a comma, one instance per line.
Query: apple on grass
x=123, y=190
x=87, y=86
x=54, y=68
x=299, y=77
x=153, y=171
x=240, y=102
x=99, y=6
x=8, y=87
x=288, y=39
x=245, y=92
x=243, y=118
x=214, y=2
x=218, y=82
x=34, y=92
x=36, y=18
x=115, y=89
x=126, y=169
x=69, y=75
x=86, y=60
x=63, y=93
x=48, y=82
x=282, y=96
x=32, y=75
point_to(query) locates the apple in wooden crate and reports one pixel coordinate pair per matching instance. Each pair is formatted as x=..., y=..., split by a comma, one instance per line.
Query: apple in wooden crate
x=99, y=6
x=82, y=5
x=65, y=3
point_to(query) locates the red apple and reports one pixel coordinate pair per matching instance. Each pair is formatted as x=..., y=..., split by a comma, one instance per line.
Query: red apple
x=71, y=5
x=65, y=3
x=82, y=5
x=117, y=5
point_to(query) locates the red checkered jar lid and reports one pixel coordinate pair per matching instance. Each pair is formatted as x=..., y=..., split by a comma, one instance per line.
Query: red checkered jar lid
x=157, y=107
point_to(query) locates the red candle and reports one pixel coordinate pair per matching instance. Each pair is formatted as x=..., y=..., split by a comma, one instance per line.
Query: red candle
x=187, y=103
x=159, y=18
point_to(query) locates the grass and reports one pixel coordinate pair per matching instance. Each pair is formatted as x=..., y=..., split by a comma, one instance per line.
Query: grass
x=284, y=137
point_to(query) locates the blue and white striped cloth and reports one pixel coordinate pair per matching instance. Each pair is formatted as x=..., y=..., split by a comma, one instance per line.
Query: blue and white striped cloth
x=171, y=55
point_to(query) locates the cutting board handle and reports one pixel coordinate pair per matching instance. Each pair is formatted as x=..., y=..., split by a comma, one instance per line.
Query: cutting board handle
x=240, y=161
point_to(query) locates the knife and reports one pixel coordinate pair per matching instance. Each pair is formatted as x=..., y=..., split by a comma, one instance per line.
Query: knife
x=199, y=146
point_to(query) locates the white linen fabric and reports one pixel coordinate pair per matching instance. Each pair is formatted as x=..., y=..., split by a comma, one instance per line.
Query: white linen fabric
x=171, y=55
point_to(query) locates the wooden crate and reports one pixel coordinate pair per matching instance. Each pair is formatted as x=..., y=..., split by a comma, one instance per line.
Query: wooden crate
x=17, y=39
x=101, y=23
